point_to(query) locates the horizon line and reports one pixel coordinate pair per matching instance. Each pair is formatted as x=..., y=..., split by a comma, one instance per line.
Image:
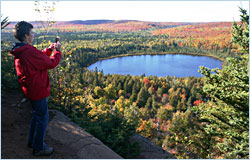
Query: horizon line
x=124, y=20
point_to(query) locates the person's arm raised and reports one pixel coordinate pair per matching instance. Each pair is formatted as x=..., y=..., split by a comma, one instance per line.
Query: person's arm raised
x=41, y=61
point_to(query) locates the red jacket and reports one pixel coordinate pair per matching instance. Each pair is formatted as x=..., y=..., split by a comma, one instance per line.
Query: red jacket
x=31, y=67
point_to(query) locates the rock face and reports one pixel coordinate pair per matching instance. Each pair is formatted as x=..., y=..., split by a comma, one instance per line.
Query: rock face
x=67, y=138
x=68, y=133
x=86, y=146
x=149, y=150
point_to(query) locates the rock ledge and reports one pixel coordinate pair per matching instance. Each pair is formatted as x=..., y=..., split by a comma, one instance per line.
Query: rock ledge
x=68, y=133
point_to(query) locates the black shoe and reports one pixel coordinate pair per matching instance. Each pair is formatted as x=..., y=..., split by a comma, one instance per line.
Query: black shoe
x=30, y=145
x=45, y=152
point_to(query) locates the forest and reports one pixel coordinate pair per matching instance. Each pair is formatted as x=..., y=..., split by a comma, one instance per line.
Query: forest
x=189, y=117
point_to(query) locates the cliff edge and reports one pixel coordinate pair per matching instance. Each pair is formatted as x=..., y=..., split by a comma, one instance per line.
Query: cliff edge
x=68, y=139
x=70, y=134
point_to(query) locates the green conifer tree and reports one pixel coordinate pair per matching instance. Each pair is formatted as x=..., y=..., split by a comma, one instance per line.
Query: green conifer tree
x=142, y=97
x=4, y=22
x=227, y=114
x=149, y=106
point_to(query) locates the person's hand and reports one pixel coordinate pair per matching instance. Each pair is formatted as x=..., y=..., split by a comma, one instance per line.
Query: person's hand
x=58, y=46
x=52, y=46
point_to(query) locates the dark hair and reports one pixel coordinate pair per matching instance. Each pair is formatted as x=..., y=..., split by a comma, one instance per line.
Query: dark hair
x=22, y=28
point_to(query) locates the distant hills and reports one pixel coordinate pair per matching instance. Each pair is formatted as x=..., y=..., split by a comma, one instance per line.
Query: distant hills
x=87, y=22
x=103, y=21
x=103, y=25
x=94, y=22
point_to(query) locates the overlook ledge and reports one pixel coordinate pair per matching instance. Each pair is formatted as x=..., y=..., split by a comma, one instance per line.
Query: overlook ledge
x=69, y=140
x=68, y=133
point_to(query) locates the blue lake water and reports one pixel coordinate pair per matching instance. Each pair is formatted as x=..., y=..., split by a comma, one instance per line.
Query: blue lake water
x=157, y=65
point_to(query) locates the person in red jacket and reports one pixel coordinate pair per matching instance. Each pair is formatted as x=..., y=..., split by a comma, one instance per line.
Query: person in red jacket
x=32, y=67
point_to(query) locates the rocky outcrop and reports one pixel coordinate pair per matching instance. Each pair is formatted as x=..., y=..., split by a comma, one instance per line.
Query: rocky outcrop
x=149, y=150
x=62, y=129
x=68, y=139
x=85, y=145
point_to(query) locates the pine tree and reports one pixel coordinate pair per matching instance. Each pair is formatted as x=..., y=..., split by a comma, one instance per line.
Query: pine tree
x=5, y=22
x=134, y=89
x=96, y=81
x=142, y=97
x=133, y=97
x=149, y=106
x=125, y=86
x=119, y=87
x=227, y=114
x=240, y=34
x=130, y=86
x=155, y=106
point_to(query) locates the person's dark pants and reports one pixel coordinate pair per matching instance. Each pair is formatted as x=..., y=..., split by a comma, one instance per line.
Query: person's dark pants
x=39, y=123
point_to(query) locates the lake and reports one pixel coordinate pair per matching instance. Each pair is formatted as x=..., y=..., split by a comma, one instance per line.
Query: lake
x=157, y=65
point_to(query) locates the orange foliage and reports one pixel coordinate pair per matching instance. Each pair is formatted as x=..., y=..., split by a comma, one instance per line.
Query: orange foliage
x=183, y=96
x=147, y=82
x=198, y=102
x=215, y=35
x=168, y=107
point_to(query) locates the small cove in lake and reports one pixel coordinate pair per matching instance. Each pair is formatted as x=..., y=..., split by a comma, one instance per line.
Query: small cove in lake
x=178, y=65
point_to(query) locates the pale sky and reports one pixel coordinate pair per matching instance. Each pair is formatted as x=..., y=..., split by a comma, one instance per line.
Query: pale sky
x=157, y=11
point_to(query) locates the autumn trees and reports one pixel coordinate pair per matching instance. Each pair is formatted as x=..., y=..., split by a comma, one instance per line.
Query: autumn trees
x=189, y=117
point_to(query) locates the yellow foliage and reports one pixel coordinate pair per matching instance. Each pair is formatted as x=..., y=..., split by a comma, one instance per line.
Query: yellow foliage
x=170, y=90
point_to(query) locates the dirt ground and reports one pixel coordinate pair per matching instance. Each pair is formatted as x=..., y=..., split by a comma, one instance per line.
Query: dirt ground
x=15, y=123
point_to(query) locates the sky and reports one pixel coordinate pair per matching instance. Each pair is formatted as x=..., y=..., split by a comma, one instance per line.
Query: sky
x=156, y=11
